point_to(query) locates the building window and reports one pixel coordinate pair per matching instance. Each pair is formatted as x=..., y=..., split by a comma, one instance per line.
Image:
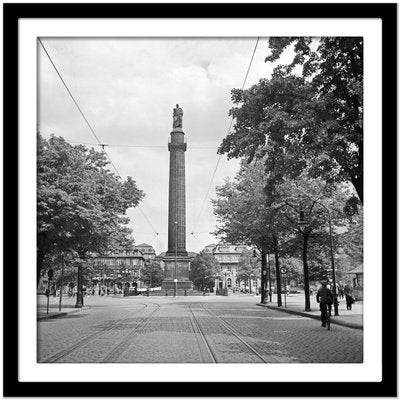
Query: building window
x=229, y=282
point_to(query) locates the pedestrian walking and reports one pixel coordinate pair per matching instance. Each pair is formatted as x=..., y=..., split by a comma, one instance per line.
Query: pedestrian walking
x=341, y=290
x=325, y=300
x=348, y=292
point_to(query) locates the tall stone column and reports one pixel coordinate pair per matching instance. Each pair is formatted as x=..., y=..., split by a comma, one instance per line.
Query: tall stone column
x=177, y=201
x=176, y=261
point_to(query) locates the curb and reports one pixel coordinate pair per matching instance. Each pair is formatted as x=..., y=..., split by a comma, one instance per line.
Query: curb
x=304, y=314
x=60, y=314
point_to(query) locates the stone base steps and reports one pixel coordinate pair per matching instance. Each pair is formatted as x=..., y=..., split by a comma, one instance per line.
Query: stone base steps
x=180, y=293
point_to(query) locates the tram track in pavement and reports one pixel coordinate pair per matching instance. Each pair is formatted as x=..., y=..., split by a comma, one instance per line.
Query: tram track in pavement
x=198, y=329
x=92, y=337
x=231, y=330
x=119, y=349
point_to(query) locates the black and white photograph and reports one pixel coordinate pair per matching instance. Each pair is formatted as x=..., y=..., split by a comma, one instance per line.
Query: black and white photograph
x=200, y=199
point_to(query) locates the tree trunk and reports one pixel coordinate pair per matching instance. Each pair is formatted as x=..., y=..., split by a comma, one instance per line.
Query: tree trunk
x=305, y=271
x=39, y=260
x=79, y=292
x=358, y=185
x=356, y=174
x=278, y=278
x=263, y=275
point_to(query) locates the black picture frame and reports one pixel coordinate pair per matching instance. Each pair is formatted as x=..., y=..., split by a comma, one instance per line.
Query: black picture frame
x=12, y=12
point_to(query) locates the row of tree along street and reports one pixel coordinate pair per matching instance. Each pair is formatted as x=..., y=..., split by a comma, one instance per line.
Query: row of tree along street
x=81, y=206
x=300, y=137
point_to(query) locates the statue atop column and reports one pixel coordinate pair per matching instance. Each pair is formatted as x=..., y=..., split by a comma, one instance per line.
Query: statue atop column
x=177, y=117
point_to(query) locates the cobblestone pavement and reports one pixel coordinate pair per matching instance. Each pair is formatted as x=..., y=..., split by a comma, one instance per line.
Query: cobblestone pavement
x=192, y=330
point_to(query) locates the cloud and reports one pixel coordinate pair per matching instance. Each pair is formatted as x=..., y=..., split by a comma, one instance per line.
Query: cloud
x=127, y=89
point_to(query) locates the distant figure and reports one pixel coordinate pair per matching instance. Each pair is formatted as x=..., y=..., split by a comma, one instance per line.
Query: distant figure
x=177, y=117
x=348, y=292
x=341, y=290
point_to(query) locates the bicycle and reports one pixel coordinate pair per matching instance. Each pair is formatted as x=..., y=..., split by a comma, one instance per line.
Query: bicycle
x=326, y=313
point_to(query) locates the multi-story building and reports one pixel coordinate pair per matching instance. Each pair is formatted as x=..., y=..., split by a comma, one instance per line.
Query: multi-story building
x=122, y=271
x=147, y=251
x=228, y=257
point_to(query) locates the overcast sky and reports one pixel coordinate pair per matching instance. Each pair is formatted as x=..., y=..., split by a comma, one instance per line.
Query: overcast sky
x=127, y=89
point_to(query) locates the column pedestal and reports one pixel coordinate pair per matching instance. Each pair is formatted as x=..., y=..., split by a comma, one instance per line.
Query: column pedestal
x=182, y=273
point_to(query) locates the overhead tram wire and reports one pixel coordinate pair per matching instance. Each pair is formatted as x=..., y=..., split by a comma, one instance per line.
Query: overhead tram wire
x=87, y=122
x=77, y=105
x=153, y=238
x=192, y=234
x=141, y=146
x=148, y=221
x=230, y=126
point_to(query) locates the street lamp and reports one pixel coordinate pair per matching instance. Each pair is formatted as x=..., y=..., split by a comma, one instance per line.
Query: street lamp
x=302, y=225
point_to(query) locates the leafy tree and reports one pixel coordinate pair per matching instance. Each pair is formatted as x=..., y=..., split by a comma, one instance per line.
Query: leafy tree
x=316, y=201
x=248, y=267
x=244, y=212
x=350, y=246
x=81, y=205
x=249, y=213
x=152, y=274
x=203, y=267
x=315, y=117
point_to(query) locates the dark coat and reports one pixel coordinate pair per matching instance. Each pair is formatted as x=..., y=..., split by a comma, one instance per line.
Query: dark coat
x=348, y=291
x=324, y=295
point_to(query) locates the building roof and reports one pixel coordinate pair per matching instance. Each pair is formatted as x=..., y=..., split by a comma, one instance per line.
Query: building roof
x=134, y=253
x=228, y=248
x=143, y=245
x=357, y=270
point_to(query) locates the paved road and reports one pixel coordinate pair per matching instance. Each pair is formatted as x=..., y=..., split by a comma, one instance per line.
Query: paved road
x=192, y=330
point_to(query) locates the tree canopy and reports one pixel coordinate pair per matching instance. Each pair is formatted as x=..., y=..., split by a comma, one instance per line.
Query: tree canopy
x=203, y=267
x=81, y=205
x=242, y=210
x=249, y=212
x=152, y=274
x=248, y=266
x=309, y=121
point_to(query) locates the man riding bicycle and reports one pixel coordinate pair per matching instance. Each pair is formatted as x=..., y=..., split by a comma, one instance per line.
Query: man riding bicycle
x=325, y=300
